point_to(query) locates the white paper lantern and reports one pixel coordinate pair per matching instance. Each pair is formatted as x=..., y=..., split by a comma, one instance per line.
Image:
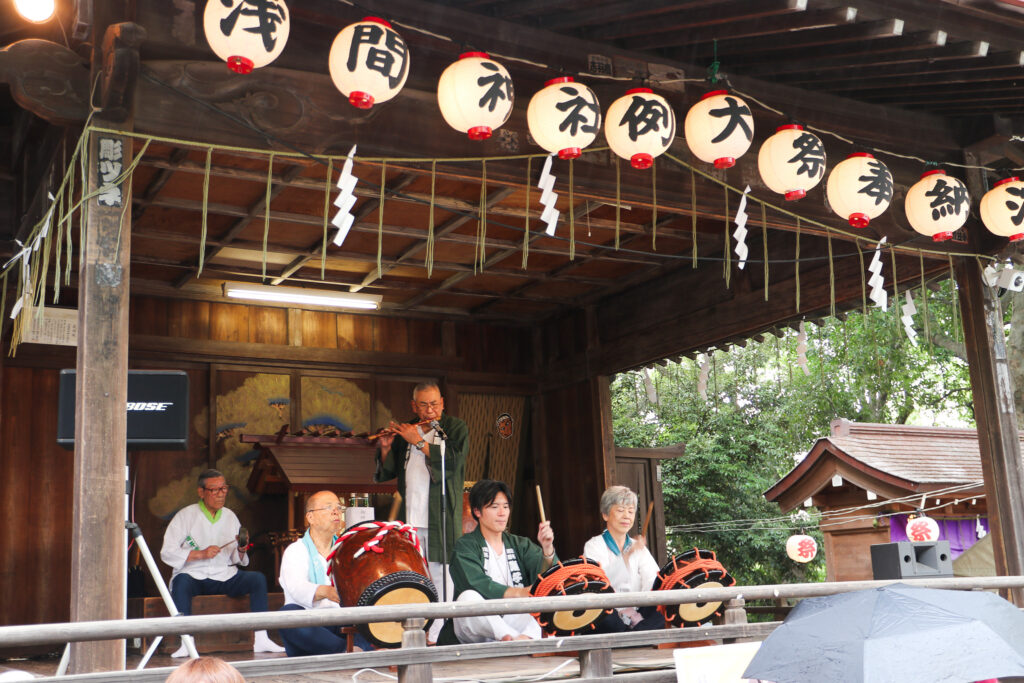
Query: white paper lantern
x=859, y=188
x=922, y=528
x=369, y=62
x=475, y=95
x=937, y=205
x=792, y=161
x=1002, y=209
x=640, y=126
x=801, y=548
x=564, y=117
x=719, y=128
x=243, y=36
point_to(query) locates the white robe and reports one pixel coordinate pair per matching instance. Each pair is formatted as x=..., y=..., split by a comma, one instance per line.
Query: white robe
x=190, y=522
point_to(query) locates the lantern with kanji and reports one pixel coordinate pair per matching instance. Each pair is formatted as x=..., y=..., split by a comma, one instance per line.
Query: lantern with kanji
x=475, y=95
x=859, y=188
x=719, y=128
x=564, y=117
x=937, y=205
x=244, y=34
x=801, y=548
x=1002, y=209
x=922, y=528
x=640, y=126
x=369, y=62
x=792, y=161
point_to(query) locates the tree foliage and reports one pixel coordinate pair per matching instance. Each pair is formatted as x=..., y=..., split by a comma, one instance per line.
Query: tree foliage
x=762, y=411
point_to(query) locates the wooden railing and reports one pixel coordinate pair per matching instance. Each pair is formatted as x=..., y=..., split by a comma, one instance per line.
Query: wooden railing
x=414, y=659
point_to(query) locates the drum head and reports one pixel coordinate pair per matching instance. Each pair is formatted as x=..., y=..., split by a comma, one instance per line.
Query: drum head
x=400, y=588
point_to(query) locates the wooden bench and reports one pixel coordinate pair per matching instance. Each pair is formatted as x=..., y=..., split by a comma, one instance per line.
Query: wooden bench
x=228, y=641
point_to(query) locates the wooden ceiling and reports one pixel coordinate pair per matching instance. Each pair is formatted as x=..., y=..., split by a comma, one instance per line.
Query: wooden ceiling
x=932, y=79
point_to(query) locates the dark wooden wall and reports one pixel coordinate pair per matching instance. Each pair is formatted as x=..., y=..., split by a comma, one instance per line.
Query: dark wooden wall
x=213, y=342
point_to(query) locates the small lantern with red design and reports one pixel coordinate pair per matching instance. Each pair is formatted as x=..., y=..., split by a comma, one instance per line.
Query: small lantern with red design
x=719, y=128
x=801, y=547
x=937, y=205
x=369, y=62
x=640, y=126
x=475, y=95
x=792, y=161
x=564, y=117
x=244, y=38
x=920, y=527
x=1002, y=209
x=859, y=188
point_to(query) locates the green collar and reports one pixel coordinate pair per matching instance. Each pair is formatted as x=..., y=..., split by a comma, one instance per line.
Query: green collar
x=214, y=518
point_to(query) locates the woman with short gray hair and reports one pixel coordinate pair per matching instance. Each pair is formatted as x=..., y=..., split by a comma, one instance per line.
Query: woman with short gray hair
x=628, y=563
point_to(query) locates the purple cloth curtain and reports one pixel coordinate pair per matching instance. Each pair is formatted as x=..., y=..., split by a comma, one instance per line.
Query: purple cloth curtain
x=961, y=533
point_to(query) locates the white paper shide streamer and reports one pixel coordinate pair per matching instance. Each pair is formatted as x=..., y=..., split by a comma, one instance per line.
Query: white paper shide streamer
x=702, y=379
x=909, y=309
x=876, y=282
x=801, y=349
x=740, y=234
x=548, y=197
x=345, y=200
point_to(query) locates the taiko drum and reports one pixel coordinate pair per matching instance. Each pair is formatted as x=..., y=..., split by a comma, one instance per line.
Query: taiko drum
x=571, y=577
x=694, y=568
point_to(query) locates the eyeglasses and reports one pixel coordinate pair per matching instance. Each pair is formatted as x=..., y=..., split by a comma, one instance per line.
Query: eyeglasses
x=432, y=404
x=331, y=508
x=219, y=489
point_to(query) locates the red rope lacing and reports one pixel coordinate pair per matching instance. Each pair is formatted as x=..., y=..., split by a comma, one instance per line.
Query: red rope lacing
x=373, y=545
x=565, y=575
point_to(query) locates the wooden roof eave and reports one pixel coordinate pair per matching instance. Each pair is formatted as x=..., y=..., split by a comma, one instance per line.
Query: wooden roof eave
x=813, y=474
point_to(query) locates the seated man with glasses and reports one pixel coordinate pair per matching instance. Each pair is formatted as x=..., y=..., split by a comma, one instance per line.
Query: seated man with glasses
x=201, y=547
x=306, y=580
x=412, y=454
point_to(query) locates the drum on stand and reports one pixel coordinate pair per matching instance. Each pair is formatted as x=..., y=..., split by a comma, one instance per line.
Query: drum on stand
x=379, y=563
x=694, y=568
x=572, y=577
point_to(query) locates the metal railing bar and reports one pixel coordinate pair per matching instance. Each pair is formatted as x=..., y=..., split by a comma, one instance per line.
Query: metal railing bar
x=41, y=634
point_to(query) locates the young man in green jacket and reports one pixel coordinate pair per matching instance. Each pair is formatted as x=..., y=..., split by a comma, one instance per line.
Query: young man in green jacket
x=489, y=563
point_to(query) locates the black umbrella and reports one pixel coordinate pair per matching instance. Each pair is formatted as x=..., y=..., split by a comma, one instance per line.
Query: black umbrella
x=898, y=634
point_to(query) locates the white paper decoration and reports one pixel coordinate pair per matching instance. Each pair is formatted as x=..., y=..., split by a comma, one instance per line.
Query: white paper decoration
x=475, y=95
x=922, y=528
x=564, y=117
x=369, y=62
x=801, y=548
x=640, y=126
x=246, y=37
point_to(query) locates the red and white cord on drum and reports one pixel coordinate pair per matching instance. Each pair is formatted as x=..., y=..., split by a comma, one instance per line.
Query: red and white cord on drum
x=373, y=545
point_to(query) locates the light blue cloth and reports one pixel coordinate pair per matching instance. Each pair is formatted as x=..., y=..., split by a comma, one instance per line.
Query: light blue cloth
x=317, y=574
x=612, y=545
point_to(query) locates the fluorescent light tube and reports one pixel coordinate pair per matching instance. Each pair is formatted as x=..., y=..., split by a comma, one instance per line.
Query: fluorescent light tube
x=299, y=295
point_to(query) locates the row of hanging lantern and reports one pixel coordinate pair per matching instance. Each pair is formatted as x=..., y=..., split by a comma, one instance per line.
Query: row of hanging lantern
x=369, y=63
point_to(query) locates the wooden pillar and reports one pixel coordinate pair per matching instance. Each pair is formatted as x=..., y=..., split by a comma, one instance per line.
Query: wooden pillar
x=998, y=438
x=98, y=560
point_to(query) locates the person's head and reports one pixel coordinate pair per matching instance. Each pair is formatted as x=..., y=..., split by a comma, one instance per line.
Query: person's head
x=213, y=489
x=490, y=502
x=323, y=512
x=618, y=508
x=205, y=670
x=427, y=402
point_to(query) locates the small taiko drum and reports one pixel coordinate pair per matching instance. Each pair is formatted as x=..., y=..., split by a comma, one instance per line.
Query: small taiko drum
x=572, y=577
x=379, y=563
x=694, y=568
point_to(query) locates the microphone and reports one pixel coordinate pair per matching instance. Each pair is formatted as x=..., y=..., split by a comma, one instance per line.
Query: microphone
x=436, y=426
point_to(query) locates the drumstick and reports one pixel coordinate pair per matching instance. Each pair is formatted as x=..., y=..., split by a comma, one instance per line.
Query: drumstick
x=540, y=505
x=647, y=519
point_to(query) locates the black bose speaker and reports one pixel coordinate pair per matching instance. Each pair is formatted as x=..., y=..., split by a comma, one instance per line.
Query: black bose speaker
x=157, y=410
x=909, y=559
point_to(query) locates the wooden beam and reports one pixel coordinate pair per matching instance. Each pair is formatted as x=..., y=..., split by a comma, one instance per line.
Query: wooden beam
x=98, y=550
x=994, y=410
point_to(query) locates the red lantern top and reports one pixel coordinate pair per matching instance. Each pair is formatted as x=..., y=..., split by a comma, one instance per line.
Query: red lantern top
x=481, y=55
x=789, y=126
x=934, y=171
x=378, y=20
x=1011, y=179
x=714, y=93
x=560, y=79
x=634, y=91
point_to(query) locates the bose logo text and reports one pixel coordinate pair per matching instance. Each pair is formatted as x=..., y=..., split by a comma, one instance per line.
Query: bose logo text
x=149, y=407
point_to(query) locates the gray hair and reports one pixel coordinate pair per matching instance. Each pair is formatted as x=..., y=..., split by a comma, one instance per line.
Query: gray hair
x=617, y=495
x=424, y=386
x=208, y=475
